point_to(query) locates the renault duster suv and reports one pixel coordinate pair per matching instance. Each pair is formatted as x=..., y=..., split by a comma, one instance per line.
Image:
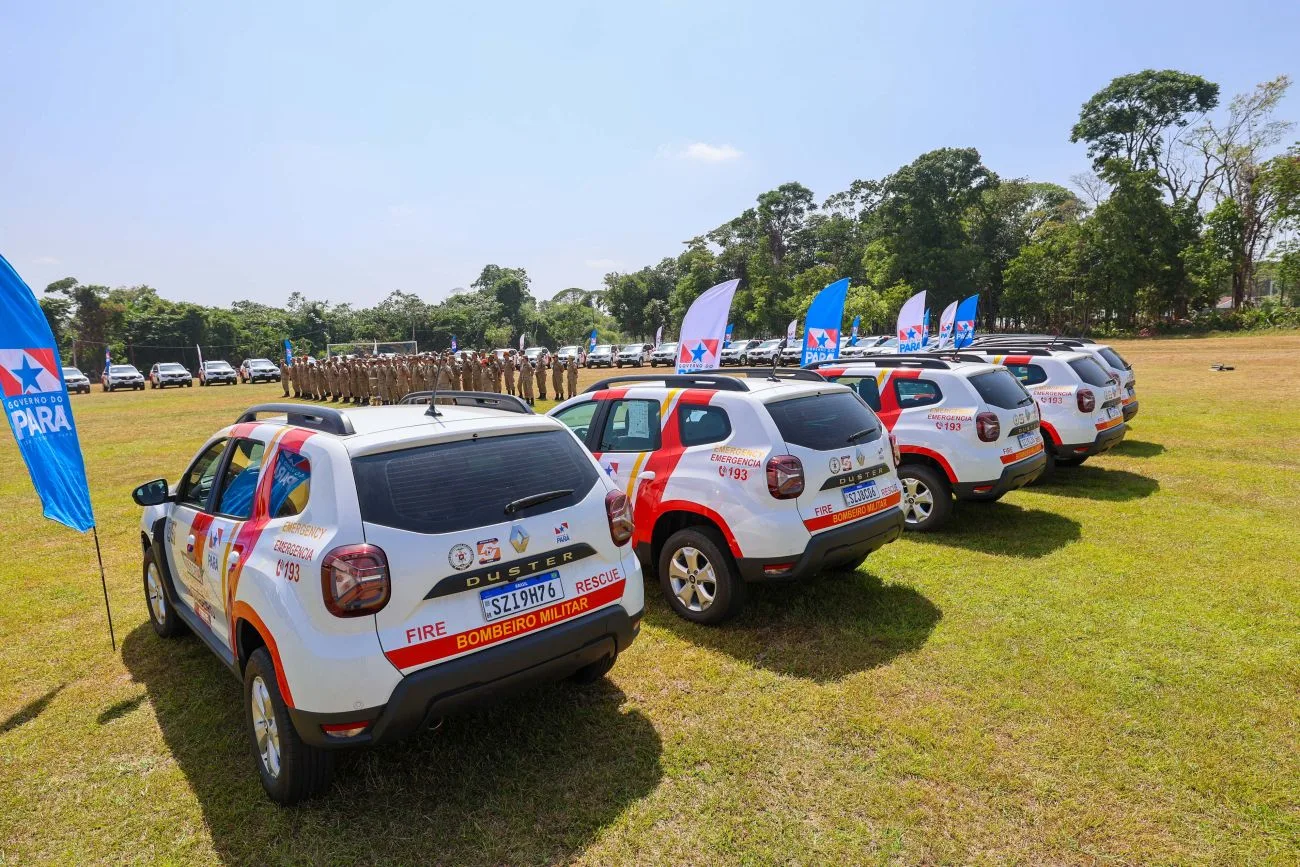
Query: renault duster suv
x=741, y=480
x=965, y=428
x=366, y=572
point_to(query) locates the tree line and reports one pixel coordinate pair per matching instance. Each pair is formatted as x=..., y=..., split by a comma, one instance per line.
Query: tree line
x=1184, y=202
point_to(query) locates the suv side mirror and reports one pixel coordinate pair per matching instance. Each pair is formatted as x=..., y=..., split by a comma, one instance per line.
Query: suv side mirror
x=153, y=493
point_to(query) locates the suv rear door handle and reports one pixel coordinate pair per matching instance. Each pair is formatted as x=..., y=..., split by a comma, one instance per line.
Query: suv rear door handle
x=189, y=544
x=647, y=476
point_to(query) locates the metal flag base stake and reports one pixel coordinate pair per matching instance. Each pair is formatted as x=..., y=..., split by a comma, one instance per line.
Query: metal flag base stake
x=94, y=531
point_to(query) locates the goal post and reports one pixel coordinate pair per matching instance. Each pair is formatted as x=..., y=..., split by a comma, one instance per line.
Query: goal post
x=372, y=347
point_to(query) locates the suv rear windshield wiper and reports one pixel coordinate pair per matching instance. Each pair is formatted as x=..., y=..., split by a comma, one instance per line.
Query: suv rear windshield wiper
x=865, y=432
x=536, y=499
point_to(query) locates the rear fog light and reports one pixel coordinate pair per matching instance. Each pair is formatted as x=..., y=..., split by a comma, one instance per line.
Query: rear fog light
x=345, y=730
x=775, y=570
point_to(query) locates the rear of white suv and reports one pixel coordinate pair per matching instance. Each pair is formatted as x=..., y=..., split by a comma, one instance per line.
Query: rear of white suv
x=964, y=428
x=367, y=572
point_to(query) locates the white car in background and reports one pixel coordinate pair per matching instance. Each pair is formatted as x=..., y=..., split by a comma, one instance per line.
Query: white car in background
x=761, y=355
x=602, y=356
x=965, y=428
x=738, y=480
x=258, y=370
x=634, y=355
x=564, y=353
x=736, y=353
x=117, y=376
x=357, y=602
x=76, y=381
x=664, y=353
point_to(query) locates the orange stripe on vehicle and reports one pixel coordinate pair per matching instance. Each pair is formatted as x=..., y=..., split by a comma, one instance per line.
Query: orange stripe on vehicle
x=854, y=514
x=495, y=633
x=1022, y=454
x=1107, y=425
x=244, y=611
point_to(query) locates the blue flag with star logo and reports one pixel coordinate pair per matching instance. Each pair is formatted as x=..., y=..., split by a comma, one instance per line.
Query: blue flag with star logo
x=36, y=402
x=821, y=328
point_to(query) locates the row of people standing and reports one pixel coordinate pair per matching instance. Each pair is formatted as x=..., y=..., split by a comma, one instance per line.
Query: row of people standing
x=379, y=380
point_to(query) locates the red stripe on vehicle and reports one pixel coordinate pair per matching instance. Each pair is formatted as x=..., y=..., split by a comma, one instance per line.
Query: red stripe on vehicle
x=244, y=611
x=889, y=408
x=650, y=494
x=930, y=453
x=1023, y=453
x=1051, y=432
x=705, y=511
x=856, y=513
x=609, y=394
x=495, y=633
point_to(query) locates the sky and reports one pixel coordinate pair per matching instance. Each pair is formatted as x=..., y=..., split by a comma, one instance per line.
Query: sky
x=230, y=151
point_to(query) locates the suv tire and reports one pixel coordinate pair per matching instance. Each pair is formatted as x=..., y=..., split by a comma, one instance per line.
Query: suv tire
x=927, y=498
x=1071, y=462
x=162, y=616
x=593, y=671
x=291, y=771
x=697, y=558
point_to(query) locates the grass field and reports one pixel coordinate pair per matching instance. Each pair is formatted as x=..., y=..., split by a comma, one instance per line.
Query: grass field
x=1102, y=670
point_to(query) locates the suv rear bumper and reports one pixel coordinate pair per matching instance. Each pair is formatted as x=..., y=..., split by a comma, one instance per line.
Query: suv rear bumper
x=426, y=696
x=829, y=549
x=1130, y=409
x=1014, y=476
x=1105, y=441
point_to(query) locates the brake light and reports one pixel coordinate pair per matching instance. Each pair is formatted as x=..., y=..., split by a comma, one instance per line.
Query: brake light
x=988, y=427
x=354, y=580
x=785, y=477
x=345, y=730
x=893, y=445
x=619, y=511
x=1084, y=397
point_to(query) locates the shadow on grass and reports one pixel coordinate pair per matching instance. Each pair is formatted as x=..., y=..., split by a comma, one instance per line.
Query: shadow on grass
x=1003, y=529
x=1138, y=449
x=121, y=709
x=823, y=630
x=30, y=711
x=1095, y=483
x=530, y=780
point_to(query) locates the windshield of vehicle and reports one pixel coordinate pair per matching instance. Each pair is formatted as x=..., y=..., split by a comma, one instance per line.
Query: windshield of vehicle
x=769, y=344
x=824, y=421
x=259, y=362
x=217, y=365
x=668, y=347
x=122, y=368
x=1000, y=388
x=1113, y=358
x=70, y=372
x=170, y=368
x=604, y=347
x=448, y=487
x=1090, y=372
x=568, y=350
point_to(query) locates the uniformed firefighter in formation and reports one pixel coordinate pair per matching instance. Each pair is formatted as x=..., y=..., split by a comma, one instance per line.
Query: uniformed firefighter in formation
x=525, y=379
x=572, y=375
x=557, y=378
x=284, y=377
x=509, y=363
x=540, y=370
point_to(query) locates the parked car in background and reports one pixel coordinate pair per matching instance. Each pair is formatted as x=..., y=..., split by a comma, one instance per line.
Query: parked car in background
x=762, y=354
x=634, y=355
x=170, y=373
x=1120, y=371
x=538, y=355
x=76, y=381
x=664, y=353
x=217, y=373
x=259, y=370
x=741, y=480
x=736, y=353
x=965, y=428
x=602, y=356
x=792, y=354
x=564, y=353
x=121, y=376
x=358, y=604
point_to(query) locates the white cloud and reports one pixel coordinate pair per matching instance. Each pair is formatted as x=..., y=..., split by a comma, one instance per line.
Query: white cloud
x=46, y=260
x=603, y=264
x=703, y=152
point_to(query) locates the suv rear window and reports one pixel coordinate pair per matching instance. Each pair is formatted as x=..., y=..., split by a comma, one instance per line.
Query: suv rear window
x=823, y=422
x=1028, y=374
x=1113, y=358
x=1090, y=372
x=448, y=487
x=999, y=388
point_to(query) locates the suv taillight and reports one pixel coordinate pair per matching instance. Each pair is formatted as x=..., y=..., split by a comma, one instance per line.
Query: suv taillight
x=619, y=511
x=1085, y=399
x=988, y=427
x=893, y=445
x=354, y=580
x=785, y=477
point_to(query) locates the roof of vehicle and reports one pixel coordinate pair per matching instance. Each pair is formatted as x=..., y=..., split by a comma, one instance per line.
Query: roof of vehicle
x=209, y=363
x=122, y=367
x=259, y=361
x=756, y=382
x=966, y=365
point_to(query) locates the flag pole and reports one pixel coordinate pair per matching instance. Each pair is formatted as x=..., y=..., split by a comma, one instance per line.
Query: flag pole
x=103, y=583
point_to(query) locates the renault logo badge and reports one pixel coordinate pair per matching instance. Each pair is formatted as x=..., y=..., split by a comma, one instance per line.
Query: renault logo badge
x=519, y=539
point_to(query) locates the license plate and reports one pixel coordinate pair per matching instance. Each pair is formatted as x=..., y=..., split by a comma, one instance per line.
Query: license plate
x=521, y=596
x=1028, y=439
x=856, y=495
x=1112, y=411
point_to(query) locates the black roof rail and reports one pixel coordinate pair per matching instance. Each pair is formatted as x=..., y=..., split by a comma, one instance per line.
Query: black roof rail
x=1037, y=350
x=993, y=335
x=321, y=418
x=928, y=362
x=483, y=399
x=675, y=380
x=780, y=373
x=1058, y=341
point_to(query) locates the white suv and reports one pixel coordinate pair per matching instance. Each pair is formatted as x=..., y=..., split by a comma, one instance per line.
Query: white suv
x=366, y=572
x=964, y=428
x=736, y=480
x=634, y=355
x=1080, y=402
x=1120, y=371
